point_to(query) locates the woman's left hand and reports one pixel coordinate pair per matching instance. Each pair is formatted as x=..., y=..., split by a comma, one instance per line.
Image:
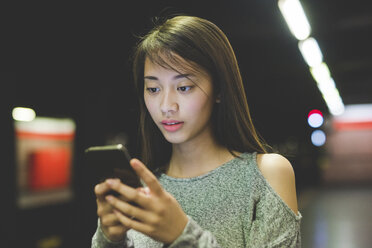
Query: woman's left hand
x=159, y=215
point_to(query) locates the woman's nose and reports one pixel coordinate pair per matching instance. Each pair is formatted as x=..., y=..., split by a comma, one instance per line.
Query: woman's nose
x=169, y=103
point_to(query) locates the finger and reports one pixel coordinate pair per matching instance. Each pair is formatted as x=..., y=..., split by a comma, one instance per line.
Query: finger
x=128, y=209
x=104, y=189
x=101, y=190
x=110, y=220
x=103, y=208
x=116, y=230
x=132, y=223
x=128, y=194
x=147, y=176
x=144, y=190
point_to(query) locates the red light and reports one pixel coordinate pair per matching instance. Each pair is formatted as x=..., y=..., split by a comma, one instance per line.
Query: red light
x=315, y=111
x=315, y=118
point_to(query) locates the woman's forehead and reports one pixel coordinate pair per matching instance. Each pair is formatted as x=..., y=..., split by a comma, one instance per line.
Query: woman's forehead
x=175, y=63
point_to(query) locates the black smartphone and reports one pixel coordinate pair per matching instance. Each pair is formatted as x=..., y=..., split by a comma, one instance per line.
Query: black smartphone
x=111, y=161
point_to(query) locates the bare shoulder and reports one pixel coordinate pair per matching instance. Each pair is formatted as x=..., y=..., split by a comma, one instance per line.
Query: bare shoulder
x=279, y=173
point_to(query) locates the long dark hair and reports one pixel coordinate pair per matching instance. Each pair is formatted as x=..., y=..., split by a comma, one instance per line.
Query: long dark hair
x=205, y=46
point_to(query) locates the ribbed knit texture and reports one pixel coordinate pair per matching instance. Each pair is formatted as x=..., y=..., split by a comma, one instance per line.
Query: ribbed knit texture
x=231, y=206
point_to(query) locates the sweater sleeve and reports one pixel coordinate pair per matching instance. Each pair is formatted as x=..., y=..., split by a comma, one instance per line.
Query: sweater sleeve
x=99, y=240
x=194, y=236
x=274, y=223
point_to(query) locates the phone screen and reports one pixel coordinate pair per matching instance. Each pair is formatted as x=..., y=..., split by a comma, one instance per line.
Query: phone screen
x=103, y=162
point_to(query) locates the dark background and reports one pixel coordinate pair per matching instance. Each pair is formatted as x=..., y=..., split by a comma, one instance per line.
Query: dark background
x=73, y=60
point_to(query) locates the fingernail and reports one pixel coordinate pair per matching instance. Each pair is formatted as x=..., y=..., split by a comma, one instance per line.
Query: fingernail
x=134, y=165
x=110, y=181
x=109, y=198
x=146, y=190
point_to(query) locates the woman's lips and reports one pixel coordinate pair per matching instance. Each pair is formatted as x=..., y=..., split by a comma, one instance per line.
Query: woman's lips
x=172, y=125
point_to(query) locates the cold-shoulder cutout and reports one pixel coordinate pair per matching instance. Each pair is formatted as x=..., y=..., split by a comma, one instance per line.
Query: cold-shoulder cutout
x=278, y=172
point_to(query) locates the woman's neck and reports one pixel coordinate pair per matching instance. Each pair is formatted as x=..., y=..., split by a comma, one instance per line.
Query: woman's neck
x=197, y=158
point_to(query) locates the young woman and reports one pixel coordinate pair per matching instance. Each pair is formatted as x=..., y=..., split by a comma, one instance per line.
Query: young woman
x=209, y=179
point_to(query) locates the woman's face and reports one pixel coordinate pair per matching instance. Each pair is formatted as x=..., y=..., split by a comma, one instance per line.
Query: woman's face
x=180, y=103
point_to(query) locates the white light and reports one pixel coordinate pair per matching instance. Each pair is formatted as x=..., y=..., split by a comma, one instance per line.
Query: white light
x=329, y=91
x=318, y=138
x=315, y=120
x=334, y=101
x=337, y=107
x=337, y=110
x=356, y=113
x=298, y=24
x=326, y=85
x=311, y=52
x=320, y=73
x=23, y=114
x=47, y=125
x=295, y=17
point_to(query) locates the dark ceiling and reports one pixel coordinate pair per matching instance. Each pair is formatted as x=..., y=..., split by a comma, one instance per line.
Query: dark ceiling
x=72, y=60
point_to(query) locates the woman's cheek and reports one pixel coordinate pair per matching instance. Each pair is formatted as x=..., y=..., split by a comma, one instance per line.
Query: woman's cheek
x=147, y=103
x=199, y=107
x=150, y=105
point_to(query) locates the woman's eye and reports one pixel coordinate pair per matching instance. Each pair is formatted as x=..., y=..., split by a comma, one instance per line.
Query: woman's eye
x=152, y=90
x=184, y=88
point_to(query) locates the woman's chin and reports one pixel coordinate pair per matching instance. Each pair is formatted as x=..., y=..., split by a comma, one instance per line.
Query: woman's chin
x=174, y=139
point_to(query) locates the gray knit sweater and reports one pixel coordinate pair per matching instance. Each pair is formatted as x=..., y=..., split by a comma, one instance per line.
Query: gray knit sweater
x=231, y=206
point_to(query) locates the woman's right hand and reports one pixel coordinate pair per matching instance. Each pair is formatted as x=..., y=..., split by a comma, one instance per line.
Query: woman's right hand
x=113, y=229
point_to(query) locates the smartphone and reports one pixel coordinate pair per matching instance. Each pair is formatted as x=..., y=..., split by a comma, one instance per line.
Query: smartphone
x=112, y=161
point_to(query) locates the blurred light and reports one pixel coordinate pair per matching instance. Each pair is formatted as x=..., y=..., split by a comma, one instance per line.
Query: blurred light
x=334, y=102
x=356, y=113
x=48, y=125
x=355, y=117
x=318, y=138
x=327, y=87
x=315, y=111
x=298, y=24
x=311, y=52
x=315, y=118
x=23, y=114
x=320, y=73
x=295, y=17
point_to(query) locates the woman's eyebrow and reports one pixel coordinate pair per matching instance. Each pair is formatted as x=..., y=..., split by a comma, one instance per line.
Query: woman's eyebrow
x=179, y=76
x=151, y=78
